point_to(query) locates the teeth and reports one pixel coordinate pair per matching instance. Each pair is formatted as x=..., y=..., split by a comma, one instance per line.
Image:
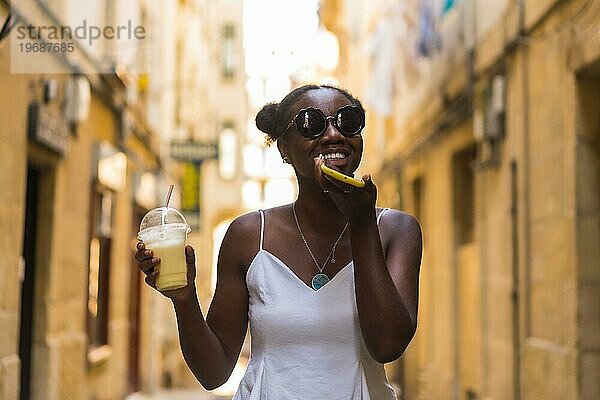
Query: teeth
x=332, y=156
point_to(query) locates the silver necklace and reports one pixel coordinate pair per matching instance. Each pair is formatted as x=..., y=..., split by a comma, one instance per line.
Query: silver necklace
x=320, y=279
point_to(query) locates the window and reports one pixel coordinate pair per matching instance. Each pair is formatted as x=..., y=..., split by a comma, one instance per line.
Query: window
x=99, y=270
x=463, y=183
x=227, y=151
x=228, y=52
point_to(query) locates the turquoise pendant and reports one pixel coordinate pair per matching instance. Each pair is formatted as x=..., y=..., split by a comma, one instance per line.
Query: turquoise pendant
x=319, y=280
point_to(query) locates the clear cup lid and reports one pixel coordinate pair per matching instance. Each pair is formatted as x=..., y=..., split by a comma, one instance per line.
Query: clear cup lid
x=166, y=217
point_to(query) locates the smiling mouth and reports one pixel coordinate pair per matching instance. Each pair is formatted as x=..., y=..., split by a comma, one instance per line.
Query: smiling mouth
x=334, y=156
x=337, y=160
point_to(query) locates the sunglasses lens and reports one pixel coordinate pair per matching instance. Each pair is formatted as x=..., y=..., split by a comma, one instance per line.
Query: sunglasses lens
x=310, y=123
x=349, y=121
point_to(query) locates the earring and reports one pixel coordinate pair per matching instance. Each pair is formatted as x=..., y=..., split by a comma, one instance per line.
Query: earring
x=286, y=160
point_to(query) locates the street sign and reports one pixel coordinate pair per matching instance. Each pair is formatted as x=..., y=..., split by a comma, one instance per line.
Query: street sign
x=48, y=128
x=190, y=194
x=187, y=150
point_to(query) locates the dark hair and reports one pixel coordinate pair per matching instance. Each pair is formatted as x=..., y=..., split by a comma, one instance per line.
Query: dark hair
x=271, y=118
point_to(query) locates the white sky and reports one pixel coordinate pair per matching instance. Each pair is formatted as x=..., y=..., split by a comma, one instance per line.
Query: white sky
x=277, y=35
x=280, y=40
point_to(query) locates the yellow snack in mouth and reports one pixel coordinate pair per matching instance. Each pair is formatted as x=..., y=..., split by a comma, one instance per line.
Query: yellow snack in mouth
x=341, y=177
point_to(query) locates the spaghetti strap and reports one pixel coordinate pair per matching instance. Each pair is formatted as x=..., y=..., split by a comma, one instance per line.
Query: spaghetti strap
x=262, y=227
x=380, y=214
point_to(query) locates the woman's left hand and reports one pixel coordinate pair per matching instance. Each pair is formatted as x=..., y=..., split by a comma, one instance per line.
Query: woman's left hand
x=352, y=201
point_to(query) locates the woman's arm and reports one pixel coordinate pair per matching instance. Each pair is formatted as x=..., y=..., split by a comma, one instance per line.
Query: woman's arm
x=211, y=347
x=387, y=281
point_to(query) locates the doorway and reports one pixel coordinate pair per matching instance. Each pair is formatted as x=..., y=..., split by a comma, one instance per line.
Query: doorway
x=28, y=284
x=588, y=226
x=135, y=290
x=468, y=276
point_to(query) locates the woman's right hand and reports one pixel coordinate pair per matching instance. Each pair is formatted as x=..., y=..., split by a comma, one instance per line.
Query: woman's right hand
x=148, y=264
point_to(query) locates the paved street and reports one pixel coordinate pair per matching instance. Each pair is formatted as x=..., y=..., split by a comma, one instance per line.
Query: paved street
x=191, y=394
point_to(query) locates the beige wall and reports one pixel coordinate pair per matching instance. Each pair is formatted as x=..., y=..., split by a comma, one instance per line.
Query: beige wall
x=61, y=366
x=60, y=369
x=13, y=150
x=438, y=347
x=58, y=346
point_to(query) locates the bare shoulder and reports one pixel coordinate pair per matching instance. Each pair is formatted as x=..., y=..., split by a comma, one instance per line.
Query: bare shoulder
x=243, y=238
x=245, y=225
x=395, y=219
x=396, y=225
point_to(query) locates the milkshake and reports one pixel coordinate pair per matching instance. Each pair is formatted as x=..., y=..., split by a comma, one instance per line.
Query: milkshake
x=164, y=231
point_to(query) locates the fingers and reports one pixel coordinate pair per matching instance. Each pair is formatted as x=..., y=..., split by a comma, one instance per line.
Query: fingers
x=140, y=251
x=190, y=260
x=327, y=183
x=145, y=259
x=148, y=264
x=369, y=185
x=190, y=255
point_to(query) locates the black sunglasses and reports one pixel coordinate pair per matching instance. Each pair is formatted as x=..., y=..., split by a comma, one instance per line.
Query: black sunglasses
x=311, y=122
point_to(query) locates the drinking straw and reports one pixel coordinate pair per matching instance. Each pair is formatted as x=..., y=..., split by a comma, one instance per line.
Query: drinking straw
x=164, y=211
x=169, y=195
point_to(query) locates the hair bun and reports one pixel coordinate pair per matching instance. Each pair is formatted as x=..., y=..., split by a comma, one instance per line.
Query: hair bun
x=266, y=119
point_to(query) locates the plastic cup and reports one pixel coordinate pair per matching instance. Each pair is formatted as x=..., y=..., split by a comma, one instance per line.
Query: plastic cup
x=164, y=231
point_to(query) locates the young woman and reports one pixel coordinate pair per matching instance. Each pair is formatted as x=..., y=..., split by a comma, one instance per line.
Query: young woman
x=328, y=283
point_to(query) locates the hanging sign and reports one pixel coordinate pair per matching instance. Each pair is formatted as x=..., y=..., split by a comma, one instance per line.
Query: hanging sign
x=190, y=194
x=48, y=128
x=188, y=150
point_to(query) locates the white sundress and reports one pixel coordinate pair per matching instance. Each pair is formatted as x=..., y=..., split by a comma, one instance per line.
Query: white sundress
x=306, y=344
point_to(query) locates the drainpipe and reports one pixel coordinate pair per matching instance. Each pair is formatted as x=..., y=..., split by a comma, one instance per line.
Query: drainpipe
x=514, y=220
x=517, y=272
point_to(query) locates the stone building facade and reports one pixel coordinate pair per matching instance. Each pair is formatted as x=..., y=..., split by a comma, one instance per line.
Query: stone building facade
x=71, y=301
x=76, y=319
x=491, y=138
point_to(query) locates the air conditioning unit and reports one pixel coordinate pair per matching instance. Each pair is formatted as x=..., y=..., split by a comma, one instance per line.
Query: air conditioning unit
x=77, y=99
x=494, y=123
x=489, y=126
